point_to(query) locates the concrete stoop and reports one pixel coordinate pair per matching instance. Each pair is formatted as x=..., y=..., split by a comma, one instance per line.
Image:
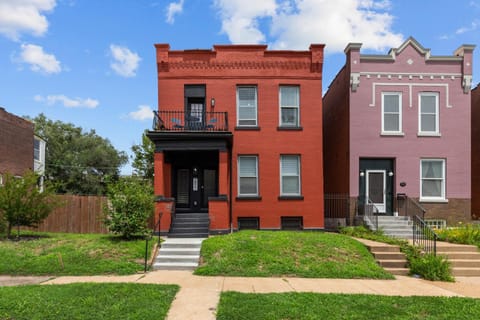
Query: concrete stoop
x=178, y=254
x=465, y=259
x=390, y=258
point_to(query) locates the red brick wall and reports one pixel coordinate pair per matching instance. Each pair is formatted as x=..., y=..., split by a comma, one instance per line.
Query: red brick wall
x=221, y=70
x=336, y=123
x=16, y=144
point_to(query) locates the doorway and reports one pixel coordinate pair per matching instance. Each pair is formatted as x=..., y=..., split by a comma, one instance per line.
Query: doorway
x=376, y=184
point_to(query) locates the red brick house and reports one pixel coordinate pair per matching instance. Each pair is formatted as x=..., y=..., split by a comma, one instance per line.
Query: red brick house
x=16, y=144
x=238, y=139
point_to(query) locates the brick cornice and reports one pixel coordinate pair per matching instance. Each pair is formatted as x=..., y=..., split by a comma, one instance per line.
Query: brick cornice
x=239, y=65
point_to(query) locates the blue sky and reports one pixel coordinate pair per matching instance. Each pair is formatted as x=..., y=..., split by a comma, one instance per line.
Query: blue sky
x=92, y=62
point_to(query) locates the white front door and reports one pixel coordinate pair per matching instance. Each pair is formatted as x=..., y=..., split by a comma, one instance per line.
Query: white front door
x=375, y=188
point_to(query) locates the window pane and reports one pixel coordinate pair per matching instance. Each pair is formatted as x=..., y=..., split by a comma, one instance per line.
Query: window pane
x=428, y=122
x=391, y=122
x=289, y=96
x=428, y=104
x=432, y=188
x=391, y=103
x=289, y=165
x=289, y=116
x=248, y=113
x=246, y=96
x=248, y=166
x=248, y=185
x=290, y=185
x=432, y=169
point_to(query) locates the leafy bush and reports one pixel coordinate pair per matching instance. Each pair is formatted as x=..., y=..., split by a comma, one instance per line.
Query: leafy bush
x=23, y=203
x=430, y=267
x=130, y=205
x=466, y=234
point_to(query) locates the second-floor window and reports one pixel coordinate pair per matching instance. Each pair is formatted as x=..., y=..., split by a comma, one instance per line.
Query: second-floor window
x=391, y=112
x=289, y=106
x=247, y=106
x=248, y=176
x=36, y=149
x=428, y=113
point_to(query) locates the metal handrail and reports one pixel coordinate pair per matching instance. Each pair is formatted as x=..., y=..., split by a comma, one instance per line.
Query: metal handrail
x=157, y=226
x=371, y=212
x=211, y=121
x=424, y=236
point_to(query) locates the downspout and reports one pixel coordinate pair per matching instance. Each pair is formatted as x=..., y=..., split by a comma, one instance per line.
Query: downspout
x=230, y=200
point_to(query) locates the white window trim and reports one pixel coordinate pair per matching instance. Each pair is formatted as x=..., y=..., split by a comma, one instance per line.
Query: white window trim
x=435, y=133
x=299, y=176
x=238, y=177
x=400, y=115
x=280, y=123
x=442, y=198
x=256, y=106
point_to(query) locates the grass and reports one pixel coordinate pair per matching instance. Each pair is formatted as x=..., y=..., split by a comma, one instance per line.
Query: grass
x=87, y=301
x=71, y=254
x=299, y=306
x=284, y=253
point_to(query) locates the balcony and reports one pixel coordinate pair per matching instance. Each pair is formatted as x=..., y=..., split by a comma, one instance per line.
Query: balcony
x=190, y=122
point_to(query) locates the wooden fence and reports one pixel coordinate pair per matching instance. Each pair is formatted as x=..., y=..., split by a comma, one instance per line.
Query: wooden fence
x=77, y=214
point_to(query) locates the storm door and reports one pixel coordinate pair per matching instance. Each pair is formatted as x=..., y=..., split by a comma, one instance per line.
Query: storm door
x=375, y=188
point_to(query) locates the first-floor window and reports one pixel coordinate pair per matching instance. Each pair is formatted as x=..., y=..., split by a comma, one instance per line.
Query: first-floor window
x=432, y=179
x=290, y=175
x=248, y=175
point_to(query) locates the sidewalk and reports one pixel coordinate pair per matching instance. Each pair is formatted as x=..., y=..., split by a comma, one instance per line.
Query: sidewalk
x=199, y=295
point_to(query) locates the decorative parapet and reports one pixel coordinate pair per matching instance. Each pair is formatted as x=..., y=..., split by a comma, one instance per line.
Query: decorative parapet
x=354, y=80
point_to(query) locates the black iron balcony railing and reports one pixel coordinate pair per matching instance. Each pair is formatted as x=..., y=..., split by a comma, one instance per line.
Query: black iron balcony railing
x=193, y=121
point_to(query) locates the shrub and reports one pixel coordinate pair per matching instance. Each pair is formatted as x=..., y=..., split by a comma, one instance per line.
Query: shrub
x=130, y=206
x=23, y=203
x=430, y=267
x=467, y=234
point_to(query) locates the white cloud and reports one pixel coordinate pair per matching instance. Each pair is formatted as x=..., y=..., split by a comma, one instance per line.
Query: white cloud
x=240, y=18
x=39, y=60
x=295, y=24
x=472, y=27
x=24, y=16
x=173, y=9
x=68, y=102
x=143, y=112
x=125, y=62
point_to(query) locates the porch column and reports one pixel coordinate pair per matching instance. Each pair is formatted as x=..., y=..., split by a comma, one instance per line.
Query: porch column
x=223, y=172
x=163, y=204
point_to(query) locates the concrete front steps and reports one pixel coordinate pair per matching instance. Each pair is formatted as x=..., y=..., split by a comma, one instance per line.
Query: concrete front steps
x=190, y=225
x=465, y=259
x=398, y=227
x=388, y=257
x=178, y=254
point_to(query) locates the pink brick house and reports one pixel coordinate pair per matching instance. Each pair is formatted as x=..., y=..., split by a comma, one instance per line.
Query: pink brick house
x=399, y=123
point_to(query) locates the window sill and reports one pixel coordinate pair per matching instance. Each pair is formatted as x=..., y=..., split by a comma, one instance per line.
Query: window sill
x=247, y=128
x=428, y=134
x=248, y=198
x=432, y=200
x=292, y=128
x=392, y=134
x=292, y=197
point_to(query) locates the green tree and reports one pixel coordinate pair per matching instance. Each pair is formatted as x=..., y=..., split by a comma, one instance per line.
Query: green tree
x=130, y=205
x=23, y=203
x=143, y=157
x=77, y=162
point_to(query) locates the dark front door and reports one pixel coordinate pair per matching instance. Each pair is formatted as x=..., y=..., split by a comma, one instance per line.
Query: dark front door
x=193, y=185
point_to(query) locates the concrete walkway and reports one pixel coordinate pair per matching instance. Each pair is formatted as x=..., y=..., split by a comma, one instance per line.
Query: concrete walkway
x=199, y=295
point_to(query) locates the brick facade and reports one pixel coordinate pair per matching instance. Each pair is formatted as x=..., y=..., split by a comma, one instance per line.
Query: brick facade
x=16, y=144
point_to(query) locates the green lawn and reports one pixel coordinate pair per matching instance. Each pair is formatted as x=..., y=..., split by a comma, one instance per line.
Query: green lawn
x=87, y=301
x=72, y=254
x=287, y=253
x=303, y=306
